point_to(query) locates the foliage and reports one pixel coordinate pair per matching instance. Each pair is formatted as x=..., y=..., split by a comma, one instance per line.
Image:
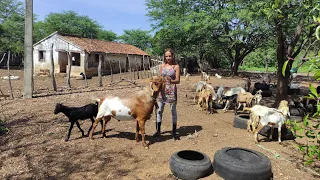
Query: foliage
x=138, y=38
x=70, y=22
x=311, y=131
x=11, y=26
x=3, y=129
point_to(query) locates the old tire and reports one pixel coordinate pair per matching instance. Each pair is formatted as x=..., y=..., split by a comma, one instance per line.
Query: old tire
x=188, y=164
x=265, y=93
x=240, y=121
x=286, y=133
x=241, y=164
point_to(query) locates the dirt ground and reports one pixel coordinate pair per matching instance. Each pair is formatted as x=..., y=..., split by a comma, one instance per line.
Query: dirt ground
x=34, y=148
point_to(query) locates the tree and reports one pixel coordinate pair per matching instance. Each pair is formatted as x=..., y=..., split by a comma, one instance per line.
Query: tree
x=137, y=37
x=293, y=27
x=107, y=35
x=203, y=28
x=70, y=22
x=11, y=26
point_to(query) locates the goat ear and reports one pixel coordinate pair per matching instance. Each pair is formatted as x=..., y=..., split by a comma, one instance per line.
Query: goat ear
x=151, y=79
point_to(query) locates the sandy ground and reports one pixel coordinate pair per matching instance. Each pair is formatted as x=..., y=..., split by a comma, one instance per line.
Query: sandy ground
x=34, y=148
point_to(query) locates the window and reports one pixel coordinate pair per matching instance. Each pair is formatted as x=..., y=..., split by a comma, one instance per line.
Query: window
x=41, y=56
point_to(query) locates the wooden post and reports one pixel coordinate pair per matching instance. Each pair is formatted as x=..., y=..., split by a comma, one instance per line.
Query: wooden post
x=144, y=68
x=129, y=67
x=149, y=72
x=69, y=68
x=9, y=77
x=119, y=68
x=99, y=70
x=54, y=84
x=84, y=70
x=110, y=68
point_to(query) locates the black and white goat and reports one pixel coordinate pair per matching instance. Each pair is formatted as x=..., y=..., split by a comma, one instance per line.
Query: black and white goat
x=78, y=113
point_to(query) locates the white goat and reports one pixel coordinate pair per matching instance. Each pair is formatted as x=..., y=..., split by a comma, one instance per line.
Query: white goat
x=229, y=94
x=218, y=76
x=257, y=97
x=187, y=76
x=269, y=116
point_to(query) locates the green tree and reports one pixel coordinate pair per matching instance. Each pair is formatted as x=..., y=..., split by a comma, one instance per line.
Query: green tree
x=203, y=28
x=11, y=26
x=138, y=38
x=292, y=24
x=70, y=22
x=107, y=35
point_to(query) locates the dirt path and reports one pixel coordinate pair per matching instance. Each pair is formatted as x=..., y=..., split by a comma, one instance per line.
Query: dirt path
x=35, y=148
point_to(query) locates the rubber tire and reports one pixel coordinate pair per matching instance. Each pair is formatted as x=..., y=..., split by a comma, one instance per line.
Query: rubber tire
x=294, y=91
x=286, y=133
x=188, y=164
x=297, y=118
x=261, y=86
x=240, y=121
x=241, y=164
x=265, y=93
x=218, y=106
x=296, y=111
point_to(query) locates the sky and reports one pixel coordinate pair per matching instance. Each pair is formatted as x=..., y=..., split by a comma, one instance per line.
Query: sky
x=113, y=15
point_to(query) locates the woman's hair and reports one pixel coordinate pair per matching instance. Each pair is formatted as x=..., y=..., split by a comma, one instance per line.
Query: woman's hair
x=172, y=54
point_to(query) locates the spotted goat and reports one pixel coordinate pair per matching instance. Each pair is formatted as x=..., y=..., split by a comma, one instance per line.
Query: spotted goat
x=139, y=107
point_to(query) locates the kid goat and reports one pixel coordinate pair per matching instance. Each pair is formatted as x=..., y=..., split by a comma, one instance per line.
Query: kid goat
x=78, y=113
x=138, y=107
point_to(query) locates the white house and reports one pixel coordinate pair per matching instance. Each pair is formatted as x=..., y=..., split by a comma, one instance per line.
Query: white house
x=84, y=53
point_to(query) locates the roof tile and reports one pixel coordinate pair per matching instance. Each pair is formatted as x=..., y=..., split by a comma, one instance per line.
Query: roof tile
x=95, y=45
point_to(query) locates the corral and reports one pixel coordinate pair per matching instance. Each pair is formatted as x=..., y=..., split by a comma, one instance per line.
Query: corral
x=35, y=148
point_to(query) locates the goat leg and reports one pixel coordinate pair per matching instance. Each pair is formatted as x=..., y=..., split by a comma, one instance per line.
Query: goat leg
x=94, y=127
x=227, y=106
x=141, y=125
x=279, y=133
x=103, y=130
x=137, y=132
x=78, y=125
x=256, y=140
x=69, y=132
x=271, y=134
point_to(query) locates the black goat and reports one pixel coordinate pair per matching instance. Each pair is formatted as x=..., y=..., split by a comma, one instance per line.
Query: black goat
x=85, y=77
x=78, y=113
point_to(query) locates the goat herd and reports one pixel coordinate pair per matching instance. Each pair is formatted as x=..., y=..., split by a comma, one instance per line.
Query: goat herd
x=140, y=106
x=259, y=116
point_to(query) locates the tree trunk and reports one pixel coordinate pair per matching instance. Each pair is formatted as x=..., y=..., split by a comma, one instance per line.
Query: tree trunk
x=235, y=68
x=54, y=84
x=282, y=84
x=99, y=71
x=28, y=51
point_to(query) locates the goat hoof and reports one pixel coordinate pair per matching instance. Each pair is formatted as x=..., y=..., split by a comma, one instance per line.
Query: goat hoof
x=66, y=140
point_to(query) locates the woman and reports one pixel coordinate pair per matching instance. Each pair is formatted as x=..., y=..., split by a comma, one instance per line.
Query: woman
x=171, y=71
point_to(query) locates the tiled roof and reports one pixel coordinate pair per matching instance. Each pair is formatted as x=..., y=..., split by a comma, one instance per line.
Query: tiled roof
x=95, y=45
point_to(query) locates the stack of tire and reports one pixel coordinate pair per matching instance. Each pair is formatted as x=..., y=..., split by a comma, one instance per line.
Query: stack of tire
x=265, y=88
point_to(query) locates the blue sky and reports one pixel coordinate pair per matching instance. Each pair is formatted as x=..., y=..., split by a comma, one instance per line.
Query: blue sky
x=113, y=15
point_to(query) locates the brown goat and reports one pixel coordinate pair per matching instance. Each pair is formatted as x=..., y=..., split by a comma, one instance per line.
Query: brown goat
x=138, y=107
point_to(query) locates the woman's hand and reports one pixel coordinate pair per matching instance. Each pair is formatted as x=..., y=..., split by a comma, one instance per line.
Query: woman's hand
x=168, y=79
